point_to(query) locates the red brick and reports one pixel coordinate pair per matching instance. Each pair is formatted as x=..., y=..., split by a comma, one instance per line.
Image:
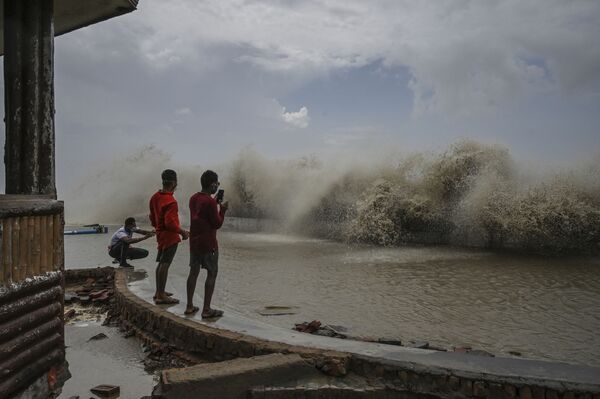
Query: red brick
x=525, y=393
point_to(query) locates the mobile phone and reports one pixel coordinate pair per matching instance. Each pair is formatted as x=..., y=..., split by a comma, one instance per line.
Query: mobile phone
x=219, y=196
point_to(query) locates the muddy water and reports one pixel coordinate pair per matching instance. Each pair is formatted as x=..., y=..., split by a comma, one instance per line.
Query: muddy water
x=541, y=307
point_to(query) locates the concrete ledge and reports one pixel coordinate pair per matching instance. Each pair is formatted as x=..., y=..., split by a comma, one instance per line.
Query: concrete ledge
x=406, y=370
x=215, y=343
x=233, y=378
x=329, y=392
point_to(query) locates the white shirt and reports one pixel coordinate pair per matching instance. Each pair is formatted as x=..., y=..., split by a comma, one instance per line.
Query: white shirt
x=120, y=234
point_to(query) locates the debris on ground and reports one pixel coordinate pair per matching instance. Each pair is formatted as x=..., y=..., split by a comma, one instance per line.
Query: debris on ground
x=314, y=327
x=106, y=390
x=390, y=341
x=329, y=330
x=98, y=337
x=89, y=300
x=461, y=349
x=163, y=356
x=417, y=344
x=97, y=290
x=69, y=314
x=277, y=310
x=308, y=327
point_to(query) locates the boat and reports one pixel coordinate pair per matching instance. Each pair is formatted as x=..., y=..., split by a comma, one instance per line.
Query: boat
x=88, y=229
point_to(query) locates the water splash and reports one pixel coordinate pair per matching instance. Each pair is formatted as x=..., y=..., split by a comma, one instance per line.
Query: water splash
x=472, y=194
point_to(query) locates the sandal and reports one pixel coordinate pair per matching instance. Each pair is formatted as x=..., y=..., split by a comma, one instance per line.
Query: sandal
x=166, y=301
x=193, y=310
x=166, y=293
x=212, y=313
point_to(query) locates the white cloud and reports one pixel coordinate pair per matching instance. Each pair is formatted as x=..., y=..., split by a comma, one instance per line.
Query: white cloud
x=298, y=119
x=183, y=111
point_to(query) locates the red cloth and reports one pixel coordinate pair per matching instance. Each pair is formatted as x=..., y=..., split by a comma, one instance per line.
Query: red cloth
x=206, y=218
x=164, y=216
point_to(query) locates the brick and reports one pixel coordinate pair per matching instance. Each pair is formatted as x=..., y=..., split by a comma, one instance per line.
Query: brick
x=414, y=380
x=466, y=386
x=403, y=374
x=525, y=393
x=480, y=389
x=441, y=381
x=510, y=392
x=453, y=382
x=495, y=391
x=539, y=393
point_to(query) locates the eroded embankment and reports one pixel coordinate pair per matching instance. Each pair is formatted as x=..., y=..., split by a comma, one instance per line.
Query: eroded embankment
x=400, y=369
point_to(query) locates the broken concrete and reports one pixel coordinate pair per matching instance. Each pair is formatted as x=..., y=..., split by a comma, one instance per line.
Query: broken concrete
x=232, y=379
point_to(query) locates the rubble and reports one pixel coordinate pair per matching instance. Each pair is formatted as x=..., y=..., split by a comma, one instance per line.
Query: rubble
x=98, y=337
x=106, y=390
x=316, y=328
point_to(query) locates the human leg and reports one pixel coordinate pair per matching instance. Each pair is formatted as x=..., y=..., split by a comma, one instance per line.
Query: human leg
x=212, y=267
x=136, y=253
x=191, y=288
x=164, y=258
x=119, y=251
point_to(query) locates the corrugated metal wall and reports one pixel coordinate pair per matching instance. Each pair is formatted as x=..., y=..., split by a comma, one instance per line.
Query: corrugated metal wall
x=31, y=331
x=31, y=292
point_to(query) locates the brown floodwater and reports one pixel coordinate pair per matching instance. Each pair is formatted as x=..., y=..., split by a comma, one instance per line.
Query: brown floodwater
x=544, y=308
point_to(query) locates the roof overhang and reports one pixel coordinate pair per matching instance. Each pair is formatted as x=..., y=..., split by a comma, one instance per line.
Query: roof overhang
x=70, y=15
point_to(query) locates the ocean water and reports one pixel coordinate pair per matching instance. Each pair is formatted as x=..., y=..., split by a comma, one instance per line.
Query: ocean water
x=544, y=308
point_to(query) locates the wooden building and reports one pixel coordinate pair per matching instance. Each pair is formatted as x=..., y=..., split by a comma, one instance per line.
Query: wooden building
x=32, y=349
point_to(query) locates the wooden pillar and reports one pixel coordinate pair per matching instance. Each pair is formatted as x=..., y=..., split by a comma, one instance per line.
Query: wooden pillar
x=29, y=96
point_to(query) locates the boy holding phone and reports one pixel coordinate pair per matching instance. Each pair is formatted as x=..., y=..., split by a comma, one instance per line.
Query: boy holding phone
x=207, y=215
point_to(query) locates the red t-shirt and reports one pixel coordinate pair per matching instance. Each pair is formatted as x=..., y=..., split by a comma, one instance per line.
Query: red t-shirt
x=164, y=216
x=206, y=218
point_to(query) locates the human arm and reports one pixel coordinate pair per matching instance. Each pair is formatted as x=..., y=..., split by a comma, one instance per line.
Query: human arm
x=131, y=240
x=172, y=221
x=216, y=214
x=145, y=232
x=152, y=216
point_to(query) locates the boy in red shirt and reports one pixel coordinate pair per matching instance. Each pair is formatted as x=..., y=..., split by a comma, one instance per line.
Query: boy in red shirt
x=206, y=218
x=164, y=217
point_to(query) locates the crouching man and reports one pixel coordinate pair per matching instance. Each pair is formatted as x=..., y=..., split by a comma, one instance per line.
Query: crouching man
x=120, y=243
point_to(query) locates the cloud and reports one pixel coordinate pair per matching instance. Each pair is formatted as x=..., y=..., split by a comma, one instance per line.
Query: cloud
x=464, y=56
x=298, y=119
x=183, y=111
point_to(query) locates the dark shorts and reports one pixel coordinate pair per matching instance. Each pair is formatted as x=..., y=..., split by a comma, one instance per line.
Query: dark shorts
x=166, y=255
x=208, y=260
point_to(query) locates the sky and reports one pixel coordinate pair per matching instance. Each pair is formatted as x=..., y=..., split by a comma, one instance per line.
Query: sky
x=202, y=80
